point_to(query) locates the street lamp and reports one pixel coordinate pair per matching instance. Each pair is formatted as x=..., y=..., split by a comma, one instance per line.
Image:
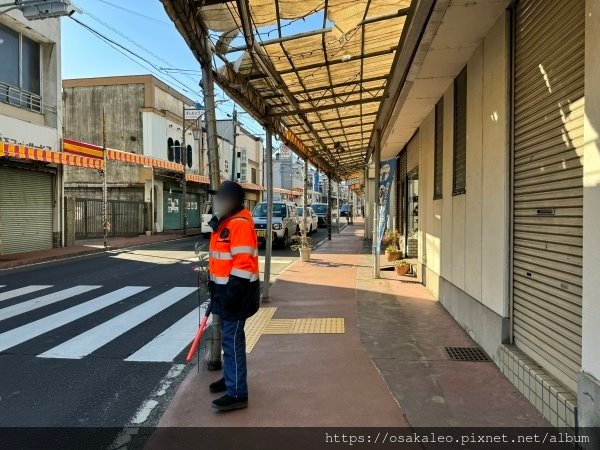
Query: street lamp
x=196, y=133
x=41, y=9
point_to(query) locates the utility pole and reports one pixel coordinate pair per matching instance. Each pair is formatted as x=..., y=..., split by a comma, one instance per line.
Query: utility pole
x=269, y=231
x=329, y=203
x=183, y=153
x=305, y=206
x=376, y=245
x=105, y=223
x=233, y=147
x=211, y=122
x=213, y=173
x=339, y=208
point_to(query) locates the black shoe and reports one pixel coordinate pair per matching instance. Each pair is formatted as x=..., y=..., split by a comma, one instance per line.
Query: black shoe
x=214, y=365
x=227, y=403
x=217, y=386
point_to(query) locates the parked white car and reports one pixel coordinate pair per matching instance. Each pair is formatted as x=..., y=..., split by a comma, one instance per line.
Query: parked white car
x=285, y=222
x=206, y=216
x=312, y=221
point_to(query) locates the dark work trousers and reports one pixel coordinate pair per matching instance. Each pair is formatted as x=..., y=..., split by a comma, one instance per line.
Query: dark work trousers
x=234, y=358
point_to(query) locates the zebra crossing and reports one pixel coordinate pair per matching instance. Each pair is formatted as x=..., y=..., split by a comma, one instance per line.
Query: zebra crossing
x=107, y=315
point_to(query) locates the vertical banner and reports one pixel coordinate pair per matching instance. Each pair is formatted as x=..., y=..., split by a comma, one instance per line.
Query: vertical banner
x=386, y=178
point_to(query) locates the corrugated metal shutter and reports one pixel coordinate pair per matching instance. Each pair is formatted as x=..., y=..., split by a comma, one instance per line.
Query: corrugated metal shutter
x=548, y=185
x=25, y=210
x=412, y=157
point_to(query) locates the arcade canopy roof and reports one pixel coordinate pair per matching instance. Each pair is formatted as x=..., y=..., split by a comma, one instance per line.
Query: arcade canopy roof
x=320, y=89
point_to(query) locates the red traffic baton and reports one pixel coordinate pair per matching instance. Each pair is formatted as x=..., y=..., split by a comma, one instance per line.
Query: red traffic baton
x=199, y=333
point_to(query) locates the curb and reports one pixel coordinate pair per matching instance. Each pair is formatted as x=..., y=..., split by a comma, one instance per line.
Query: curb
x=92, y=251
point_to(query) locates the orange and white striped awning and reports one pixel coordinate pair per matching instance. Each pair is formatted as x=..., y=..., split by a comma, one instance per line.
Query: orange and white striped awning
x=48, y=156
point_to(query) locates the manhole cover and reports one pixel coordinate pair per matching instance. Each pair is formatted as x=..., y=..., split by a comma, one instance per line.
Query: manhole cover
x=465, y=354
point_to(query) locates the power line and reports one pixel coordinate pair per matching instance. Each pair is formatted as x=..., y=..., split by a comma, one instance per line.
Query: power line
x=132, y=53
x=130, y=11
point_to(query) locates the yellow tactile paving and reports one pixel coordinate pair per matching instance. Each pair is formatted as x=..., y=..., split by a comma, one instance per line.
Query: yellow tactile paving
x=317, y=326
x=255, y=326
x=279, y=326
x=330, y=325
x=263, y=323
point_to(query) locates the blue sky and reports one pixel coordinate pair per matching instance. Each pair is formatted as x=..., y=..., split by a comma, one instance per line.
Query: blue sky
x=143, y=27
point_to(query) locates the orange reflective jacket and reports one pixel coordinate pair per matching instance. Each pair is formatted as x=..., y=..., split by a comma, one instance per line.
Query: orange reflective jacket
x=233, y=265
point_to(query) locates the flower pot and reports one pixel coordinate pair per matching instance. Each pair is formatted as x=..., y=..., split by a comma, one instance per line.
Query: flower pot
x=402, y=270
x=393, y=256
x=305, y=254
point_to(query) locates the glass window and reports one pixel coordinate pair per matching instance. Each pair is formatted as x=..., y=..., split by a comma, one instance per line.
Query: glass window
x=460, y=134
x=254, y=177
x=9, y=49
x=320, y=209
x=170, y=152
x=30, y=54
x=20, y=70
x=177, y=148
x=279, y=210
x=189, y=155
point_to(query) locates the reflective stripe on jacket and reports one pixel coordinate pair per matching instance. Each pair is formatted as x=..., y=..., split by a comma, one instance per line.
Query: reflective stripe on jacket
x=233, y=266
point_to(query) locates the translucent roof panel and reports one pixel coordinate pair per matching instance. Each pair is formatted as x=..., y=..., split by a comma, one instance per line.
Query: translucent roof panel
x=325, y=83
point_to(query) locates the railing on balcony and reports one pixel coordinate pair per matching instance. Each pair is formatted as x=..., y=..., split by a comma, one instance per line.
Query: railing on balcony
x=23, y=99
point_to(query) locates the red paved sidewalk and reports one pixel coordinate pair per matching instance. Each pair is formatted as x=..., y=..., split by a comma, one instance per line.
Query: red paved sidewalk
x=387, y=369
x=86, y=248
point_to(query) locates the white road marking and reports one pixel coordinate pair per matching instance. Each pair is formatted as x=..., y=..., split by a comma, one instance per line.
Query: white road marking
x=145, y=410
x=168, y=344
x=91, y=340
x=21, y=291
x=45, y=300
x=26, y=332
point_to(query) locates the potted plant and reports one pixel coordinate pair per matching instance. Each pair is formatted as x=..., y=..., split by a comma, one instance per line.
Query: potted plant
x=304, y=245
x=392, y=252
x=402, y=267
x=390, y=240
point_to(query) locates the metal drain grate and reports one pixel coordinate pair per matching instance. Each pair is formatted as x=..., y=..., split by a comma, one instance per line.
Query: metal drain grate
x=465, y=354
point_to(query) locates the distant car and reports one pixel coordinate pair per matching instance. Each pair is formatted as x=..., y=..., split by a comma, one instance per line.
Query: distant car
x=344, y=210
x=321, y=210
x=312, y=221
x=285, y=222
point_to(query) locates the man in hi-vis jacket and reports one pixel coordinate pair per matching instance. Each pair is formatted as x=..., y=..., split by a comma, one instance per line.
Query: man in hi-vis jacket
x=235, y=288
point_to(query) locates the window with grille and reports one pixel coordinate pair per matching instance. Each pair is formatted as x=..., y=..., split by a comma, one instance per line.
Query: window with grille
x=20, y=70
x=438, y=159
x=460, y=134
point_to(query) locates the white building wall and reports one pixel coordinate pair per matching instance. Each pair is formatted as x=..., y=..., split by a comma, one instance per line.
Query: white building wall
x=495, y=169
x=157, y=129
x=465, y=237
x=591, y=200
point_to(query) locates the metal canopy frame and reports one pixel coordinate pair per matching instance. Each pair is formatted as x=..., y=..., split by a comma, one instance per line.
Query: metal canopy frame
x=319, y=90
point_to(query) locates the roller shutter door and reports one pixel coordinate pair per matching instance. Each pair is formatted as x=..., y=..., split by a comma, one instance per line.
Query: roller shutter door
x=548, y=184
x=412, y=162
x=26, y=203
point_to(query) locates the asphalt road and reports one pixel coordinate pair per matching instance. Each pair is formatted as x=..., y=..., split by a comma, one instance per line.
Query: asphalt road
x=99, y=340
